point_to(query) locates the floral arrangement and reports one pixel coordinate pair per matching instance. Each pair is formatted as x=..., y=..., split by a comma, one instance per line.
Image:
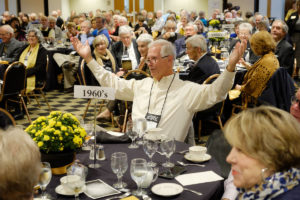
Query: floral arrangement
x=215, y=39
x=214, y=23
x=57, y=132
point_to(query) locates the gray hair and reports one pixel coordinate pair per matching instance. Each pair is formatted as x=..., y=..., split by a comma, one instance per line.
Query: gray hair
x=88, y=23
x=51, y=19
x=197, y=41
x=265, y=22
x=8, y=29
x=122, y=18
x=170, y=22
x=37, y=33
x=245, y=26
x=285, y=27
x=167, y=48
x=20, y=164
x=99, y=39
x=125, y=29
x=145, y=37
x=193, y=25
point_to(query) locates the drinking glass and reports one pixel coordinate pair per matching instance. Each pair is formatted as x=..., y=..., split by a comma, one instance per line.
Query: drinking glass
x=44, y=179
x=132, y=134
x=138, y=172
x=119, y=166
x=140, y=126
x=76, y=178
x=150, y=147
x=168, y=146
x=89, y=128
x=225, y=57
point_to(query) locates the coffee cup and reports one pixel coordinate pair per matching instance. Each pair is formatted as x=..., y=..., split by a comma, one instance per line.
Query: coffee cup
x=197, y=151
x=152, y=174
x=66, y=181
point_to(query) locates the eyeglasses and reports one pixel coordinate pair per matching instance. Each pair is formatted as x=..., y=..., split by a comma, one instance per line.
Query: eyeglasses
x=296, y=101
x=154, y=59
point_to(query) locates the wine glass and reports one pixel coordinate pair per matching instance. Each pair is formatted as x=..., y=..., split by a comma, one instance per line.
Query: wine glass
x=138, y=172
x=76, y=175
x=132, y=134
x=119, y=166
x=140, y=126
x=44, y=179
x=168, y=146
x=150, y=147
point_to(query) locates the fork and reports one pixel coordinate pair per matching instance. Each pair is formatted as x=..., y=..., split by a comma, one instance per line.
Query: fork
x=120, y=196
x=186, y=164
x=193, y=191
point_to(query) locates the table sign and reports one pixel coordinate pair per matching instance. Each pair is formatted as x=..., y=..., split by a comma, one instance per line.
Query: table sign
x=227, y=26
x=216, y=34
x=197, y=178
x=94, y=92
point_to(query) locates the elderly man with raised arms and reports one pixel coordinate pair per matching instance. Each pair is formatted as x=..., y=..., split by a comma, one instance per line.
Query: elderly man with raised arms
x=164, y=100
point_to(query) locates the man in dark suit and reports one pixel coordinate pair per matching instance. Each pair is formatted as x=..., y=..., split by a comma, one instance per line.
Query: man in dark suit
x=9, y=48
x=127, y=47
x=284, y=50
x=189, y=30
x=205, y=65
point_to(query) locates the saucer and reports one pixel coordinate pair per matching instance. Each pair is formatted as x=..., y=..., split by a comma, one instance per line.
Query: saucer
x=60, y=190
x=189, y=157
x=167, y=189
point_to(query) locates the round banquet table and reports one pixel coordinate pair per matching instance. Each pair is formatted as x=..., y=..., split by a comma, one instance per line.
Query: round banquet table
x=211, y=190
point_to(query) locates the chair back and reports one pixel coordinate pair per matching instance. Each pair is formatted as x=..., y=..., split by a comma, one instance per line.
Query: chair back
x=14, y=79
x=136, y=74
x=45, y=81
x=6, y=119
x=87, y=77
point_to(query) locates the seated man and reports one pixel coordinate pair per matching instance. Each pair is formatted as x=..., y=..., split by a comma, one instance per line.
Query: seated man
x=164, y=100
x=189, y=30
x=9, y=48
x=56, y=32
x=126, y=47
x=169, y=33
x=69, y=63
x=205, y=66
x=20, y=164
x=284, y=50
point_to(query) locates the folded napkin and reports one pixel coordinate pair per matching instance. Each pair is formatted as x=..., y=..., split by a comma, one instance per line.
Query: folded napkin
x=199, y=177
x=111, y=137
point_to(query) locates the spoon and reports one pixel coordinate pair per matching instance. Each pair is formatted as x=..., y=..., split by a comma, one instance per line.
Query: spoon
x=186, y=164
x=119, y=197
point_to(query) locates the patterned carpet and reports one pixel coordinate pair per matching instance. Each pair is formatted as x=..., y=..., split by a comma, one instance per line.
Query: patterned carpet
x=64, y=102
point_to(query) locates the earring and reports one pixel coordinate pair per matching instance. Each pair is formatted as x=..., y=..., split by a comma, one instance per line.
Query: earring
x=263, y=175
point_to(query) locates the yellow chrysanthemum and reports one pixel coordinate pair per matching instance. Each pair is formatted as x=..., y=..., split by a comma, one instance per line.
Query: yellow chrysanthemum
x=56, y=132
x=40, y=144
x=63, y=128
x=61, y=138
x=46, y=137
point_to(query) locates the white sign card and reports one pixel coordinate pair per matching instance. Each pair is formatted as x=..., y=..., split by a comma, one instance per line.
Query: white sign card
x=216, y=34
x=93, y=92
x=227, y=26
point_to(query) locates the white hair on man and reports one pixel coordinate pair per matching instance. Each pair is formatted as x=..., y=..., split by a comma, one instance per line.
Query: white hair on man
x=167, y=48
x=246, y=26
x=197, y=41
x=51, y=19
x=285, y=27
x=8, y=29
x=125, y=29
x=192, y=25
x=87, y=23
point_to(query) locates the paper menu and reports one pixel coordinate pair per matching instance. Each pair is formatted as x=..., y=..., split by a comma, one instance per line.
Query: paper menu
x=197, y=178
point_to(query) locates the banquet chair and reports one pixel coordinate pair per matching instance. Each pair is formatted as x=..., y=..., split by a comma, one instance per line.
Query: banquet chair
x=14, y=86
x=212, y=114
x=84, y=82
x=38, y=91
x=136, y=74
x=6, y=119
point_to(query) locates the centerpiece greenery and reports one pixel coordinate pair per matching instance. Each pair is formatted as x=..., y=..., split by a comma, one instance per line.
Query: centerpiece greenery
x=214, y=23
x=57, y=132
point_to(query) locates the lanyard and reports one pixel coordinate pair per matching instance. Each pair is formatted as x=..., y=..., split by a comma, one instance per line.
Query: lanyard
x=164, y=100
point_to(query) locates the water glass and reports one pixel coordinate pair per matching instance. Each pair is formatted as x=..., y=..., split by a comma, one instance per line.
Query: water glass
x=132, y=134
x=225, y=57
x=138, y=172
x=140, y=126
x=167, y=147
x=150, y=147
x=89, y=128
x=119, y=166
x=44, y=178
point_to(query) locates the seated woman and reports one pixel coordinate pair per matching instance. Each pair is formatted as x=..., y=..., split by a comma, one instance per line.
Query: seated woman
x=258, y=75
x=143, y=41
x=265, y=154
x=34, y=57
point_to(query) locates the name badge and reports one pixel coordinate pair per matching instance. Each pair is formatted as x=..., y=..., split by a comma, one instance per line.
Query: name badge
x=152, y=120
x=293, y=17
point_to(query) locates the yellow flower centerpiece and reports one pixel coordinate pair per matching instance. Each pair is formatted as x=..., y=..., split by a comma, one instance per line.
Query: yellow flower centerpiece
x=57, y=132
x=214, y=23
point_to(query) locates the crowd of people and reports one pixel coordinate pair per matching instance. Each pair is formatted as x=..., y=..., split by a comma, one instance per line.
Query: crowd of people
x=265, y=151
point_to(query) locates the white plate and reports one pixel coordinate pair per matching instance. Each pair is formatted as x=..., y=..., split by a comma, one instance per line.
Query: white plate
x=206, y=157
x=167, y=189
x=60, y=190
